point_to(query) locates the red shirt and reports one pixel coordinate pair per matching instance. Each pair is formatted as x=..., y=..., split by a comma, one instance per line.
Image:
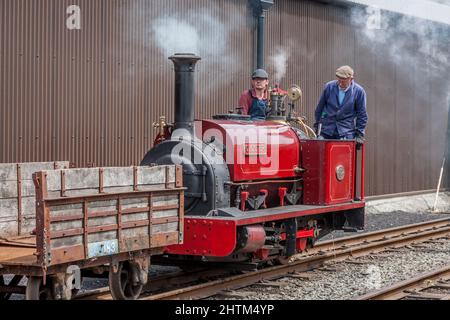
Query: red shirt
x=246, y=100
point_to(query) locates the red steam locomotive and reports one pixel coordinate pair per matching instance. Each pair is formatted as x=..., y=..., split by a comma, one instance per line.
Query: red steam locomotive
x=255, y=190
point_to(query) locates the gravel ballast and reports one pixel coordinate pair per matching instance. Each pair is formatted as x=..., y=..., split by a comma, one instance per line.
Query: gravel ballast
x=347, y=280
x=352, y=279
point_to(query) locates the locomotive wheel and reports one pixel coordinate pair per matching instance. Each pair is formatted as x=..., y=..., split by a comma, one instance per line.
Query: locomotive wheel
x=121, y=283
x=37, y=291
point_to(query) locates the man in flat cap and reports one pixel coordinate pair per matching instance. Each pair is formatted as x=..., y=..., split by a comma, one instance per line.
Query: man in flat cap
x=341, y=112
x=254, y=102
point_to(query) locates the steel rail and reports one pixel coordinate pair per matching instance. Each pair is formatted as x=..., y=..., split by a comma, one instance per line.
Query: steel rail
x=412, y=287
x=383, y=234
x=331, y=250
x=160, y=282
x=301, y=265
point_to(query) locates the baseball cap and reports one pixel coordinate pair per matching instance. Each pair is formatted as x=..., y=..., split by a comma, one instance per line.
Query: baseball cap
x=260, y=73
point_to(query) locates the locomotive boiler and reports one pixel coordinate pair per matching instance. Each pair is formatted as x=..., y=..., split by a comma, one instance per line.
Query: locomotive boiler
x=255, y=190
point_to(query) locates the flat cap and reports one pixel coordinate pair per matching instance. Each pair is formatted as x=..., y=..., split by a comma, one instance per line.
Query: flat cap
x=260, y=73
x=345, y=72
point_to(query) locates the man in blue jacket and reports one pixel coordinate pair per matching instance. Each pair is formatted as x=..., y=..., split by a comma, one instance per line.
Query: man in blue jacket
x=341, y=112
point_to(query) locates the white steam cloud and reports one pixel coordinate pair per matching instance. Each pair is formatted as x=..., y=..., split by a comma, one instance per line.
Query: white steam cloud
x=408, y=41
x=202, y=33
x=279, y=63
x=383, y=29
x=436, y=10
x=175, y=36
x=417, y=50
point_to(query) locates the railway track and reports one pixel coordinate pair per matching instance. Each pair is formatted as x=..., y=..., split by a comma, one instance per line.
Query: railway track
x=433, y=285
x=206, y=283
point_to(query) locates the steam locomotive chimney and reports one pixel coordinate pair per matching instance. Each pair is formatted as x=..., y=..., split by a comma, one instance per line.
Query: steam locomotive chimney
x=260, y=8
x=184, y=90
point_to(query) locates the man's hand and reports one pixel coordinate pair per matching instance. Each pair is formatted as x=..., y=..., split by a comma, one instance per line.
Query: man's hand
x=359, y=141
x=318, y=128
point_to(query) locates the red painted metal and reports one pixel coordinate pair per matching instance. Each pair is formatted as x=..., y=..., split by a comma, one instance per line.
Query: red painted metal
x=312, y=210
x=256, y=150
x=322, y=160
x=301, y=244
x=355, y=172
x=282, y=194
x=280, y=91
x=206, y=237
x=302, y=237
x=341, y=154
x=244, y=198
x=256, y=237
x=262, y=254
x=216, y=236
x=301, y=234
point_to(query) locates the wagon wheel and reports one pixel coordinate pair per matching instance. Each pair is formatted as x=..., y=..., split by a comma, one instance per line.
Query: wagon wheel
x=36, y=290
x=121, y=283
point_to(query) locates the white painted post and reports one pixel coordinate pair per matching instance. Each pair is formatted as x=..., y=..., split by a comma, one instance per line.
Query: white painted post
x=438, y=186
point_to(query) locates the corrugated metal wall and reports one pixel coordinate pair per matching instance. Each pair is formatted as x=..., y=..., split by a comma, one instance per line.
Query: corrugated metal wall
x=91, y=95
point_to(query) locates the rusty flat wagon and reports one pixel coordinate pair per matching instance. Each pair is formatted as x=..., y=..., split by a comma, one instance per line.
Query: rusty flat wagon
x=57, y=223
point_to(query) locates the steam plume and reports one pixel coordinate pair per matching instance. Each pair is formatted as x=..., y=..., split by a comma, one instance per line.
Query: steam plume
x=279, y=62
x=175, y=36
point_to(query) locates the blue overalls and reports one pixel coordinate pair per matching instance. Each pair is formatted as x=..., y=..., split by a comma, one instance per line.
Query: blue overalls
x=342, y=119
x=258, y=109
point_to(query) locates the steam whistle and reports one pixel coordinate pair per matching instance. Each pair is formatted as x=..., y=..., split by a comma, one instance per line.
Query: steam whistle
x=295, y=93
x=160, y=125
